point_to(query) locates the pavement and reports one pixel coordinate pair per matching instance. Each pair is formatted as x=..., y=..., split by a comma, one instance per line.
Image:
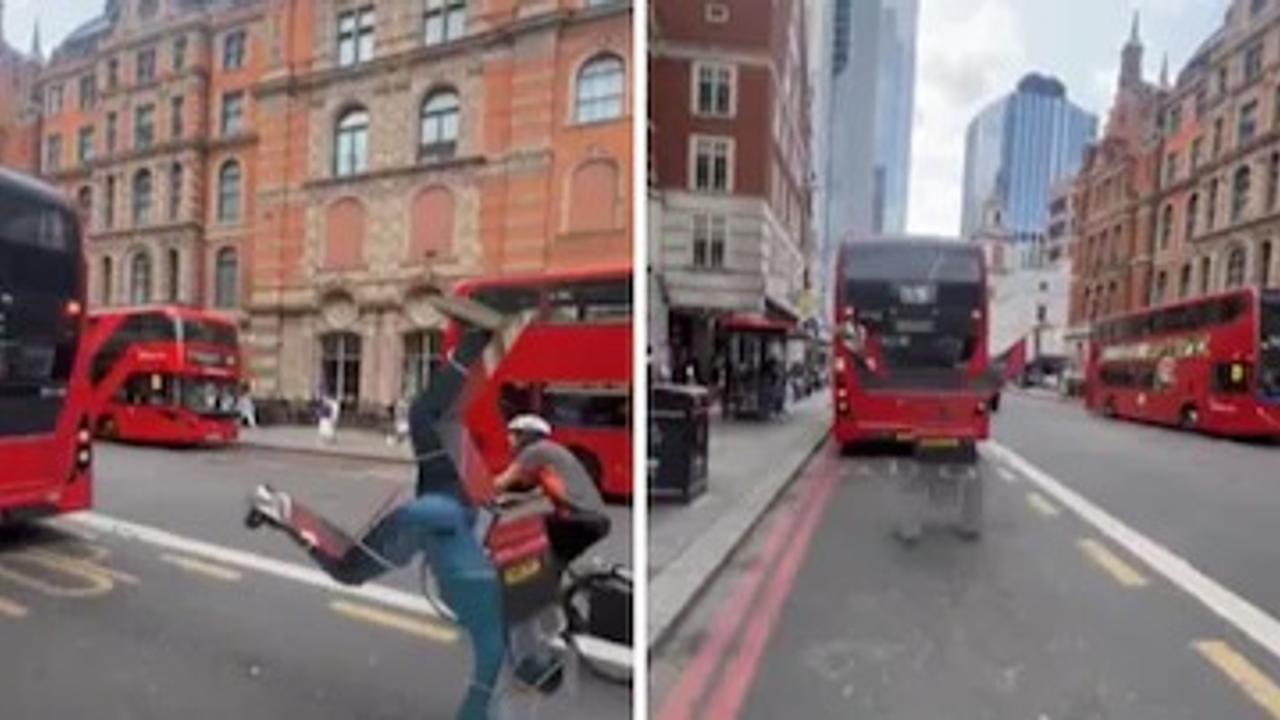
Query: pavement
x=1125, y=572
x=749, y=464
x=161, y=604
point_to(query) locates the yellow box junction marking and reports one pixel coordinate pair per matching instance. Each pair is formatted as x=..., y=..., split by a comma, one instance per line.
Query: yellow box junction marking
x=1041, y=504
x=201, y=567
x=1121, y=571
x=396, y=621
x=1243, y=673
x=9, y=608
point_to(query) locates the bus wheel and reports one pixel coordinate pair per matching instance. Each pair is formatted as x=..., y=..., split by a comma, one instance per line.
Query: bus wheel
x=1189, y=418
x=107, y=428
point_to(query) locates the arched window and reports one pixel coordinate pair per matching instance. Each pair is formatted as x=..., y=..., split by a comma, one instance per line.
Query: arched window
x=1184, y=281
x=108, y=280
x=1240, y=193
x=173, y=263
x=351, y=143
x=1235, y=267
x=1193, y=209
x=344, y=235
x=431, y=223
x=1166, y=226
x=593, y=197
x=142, y=197
x=140, y=278
x=226, y=279
x=229, y=183
x=422, y=352
x=600, y=89
x=438, y=137
x=340, y=366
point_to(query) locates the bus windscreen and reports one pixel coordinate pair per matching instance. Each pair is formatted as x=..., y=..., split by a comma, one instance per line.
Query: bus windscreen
x=209, y=333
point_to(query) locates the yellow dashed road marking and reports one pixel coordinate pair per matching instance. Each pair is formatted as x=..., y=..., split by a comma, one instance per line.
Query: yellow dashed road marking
x=396, y=621
x=1122, y=571
x=1243, y=673
x=201, y=567
x=72, y=564
x=9, y=608
x=1041, y=504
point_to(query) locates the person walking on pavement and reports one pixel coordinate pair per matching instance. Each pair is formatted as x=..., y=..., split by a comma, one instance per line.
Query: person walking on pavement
x=327, y=425
x=248, y=413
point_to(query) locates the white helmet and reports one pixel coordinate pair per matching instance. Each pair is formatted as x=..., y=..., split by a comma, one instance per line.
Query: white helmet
x=530, y=424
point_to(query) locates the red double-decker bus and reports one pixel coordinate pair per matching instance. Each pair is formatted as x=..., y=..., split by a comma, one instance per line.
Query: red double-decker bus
x=164, y=375
x=1210, y=364
x=572, y=366
x=45, y=414
x=911, y=362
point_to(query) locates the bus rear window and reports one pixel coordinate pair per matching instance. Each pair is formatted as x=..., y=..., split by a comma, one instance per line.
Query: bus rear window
x=209, y=333
x=590, y=301
x=580, y=409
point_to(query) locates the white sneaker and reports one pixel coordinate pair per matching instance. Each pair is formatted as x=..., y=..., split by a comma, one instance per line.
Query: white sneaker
x=272, y=505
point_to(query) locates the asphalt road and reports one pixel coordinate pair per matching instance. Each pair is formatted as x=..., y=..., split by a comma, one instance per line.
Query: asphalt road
x=1050, y=616
x=161, y=604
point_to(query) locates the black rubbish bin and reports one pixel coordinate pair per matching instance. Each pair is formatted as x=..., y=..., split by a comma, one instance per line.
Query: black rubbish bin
x=678, y=427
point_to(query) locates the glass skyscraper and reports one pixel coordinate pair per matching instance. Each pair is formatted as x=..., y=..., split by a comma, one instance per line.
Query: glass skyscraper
x=1017, y=149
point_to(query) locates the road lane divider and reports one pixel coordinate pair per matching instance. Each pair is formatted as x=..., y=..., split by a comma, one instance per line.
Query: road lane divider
x=1121, y=571
x=11, y=609
x=1243, y=673
x=200, y=567
x=1006, y=475
x=610, y=654
x=395, y=621
x=1226, y=604
x=1041, y=504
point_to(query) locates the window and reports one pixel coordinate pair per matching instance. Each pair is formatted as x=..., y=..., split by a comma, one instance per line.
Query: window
x=140, y=278
x=1248, y=125
x=113, y=74
x=229, y=182
x=233, y=50
x=84, y=145
x=1217, y=137
x=709, y=237
x=147, y=8
x=716, y=13
x=1205, y=280
x=443, y=21
x=111, y=133
x=355, y=36
x=1273, y=180
x=174, y=266
x=53, y=99
x=1256, y=6
x=351, y=143
x=175, y=190
x=1197, y=152
x=1193, y=210
x=53, y=153
x=88, y=91
x=84, y=202
x=1175, y=119
x=1157, y=297
x=107, y=271
x=1211, y=205
x=179, y=53
x=712, y=164
x=146, y=65
x=142, y=197
x=1166, y=226
x=226, y=279
x=600, y=89
x=1171, y=168
x=713, y=88
x=1223, y=78
x=109, y=203
x=1240, y=193
x=423, y=350
x=1235, y=267
x=232, y=113
x=340, y=366
x=1264, y=264
x=439, y=131
x=176, y=107
x=1184, y=281
x=1253, y=62
x=144, y=130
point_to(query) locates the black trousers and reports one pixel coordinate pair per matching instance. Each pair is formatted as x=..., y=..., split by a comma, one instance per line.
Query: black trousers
x=571, y=533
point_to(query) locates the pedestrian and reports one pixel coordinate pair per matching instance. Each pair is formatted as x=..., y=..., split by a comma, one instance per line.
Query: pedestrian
x=248, y=413
x=327, y=425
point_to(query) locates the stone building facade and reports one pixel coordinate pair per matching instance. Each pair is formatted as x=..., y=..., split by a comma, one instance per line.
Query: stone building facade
x=317, y=165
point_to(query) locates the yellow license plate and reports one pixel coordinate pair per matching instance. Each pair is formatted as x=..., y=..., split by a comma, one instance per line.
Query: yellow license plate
x=933, y=443
x=522, y=571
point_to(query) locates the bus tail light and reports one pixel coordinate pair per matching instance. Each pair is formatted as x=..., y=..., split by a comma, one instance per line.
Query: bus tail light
x=73, y=308
x=84, y=446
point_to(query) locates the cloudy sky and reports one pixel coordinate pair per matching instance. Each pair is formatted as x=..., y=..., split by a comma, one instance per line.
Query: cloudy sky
x=57, y=18
x=973, y=51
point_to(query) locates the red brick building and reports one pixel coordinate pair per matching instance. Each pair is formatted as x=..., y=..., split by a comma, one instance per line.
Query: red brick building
x=731, y=227
x=311, y=166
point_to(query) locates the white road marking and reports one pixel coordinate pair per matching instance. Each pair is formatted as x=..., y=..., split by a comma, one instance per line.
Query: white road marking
x=201, y=567
x=1006, y=476
x=1240, y=613
x=614, y=655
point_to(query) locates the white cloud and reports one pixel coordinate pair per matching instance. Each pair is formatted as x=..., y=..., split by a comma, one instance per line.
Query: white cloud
x=970, y=52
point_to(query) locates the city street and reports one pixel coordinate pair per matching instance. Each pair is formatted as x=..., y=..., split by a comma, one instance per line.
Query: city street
x=1126, y=572
x=160, y=604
